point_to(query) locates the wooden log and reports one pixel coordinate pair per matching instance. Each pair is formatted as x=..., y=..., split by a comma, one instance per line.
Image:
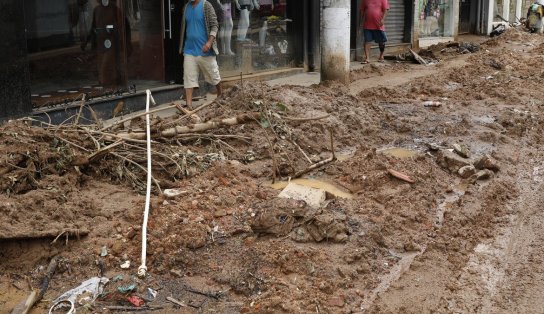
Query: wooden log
x=43, y=234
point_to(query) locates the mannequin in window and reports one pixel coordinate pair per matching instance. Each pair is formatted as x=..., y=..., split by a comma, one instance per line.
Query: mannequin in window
x=245, y=6
x=109, y=37
x=225, y=31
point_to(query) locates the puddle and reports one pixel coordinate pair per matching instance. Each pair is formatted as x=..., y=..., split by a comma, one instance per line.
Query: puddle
x=452, y=197
x=316, y=184
x=398, y=152
x=403, y=265
x=484, y=119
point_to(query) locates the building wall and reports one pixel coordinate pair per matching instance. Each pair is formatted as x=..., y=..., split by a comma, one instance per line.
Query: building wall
x=14, y=74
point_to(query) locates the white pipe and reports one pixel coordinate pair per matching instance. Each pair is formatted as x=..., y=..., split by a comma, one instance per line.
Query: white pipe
x=143, y=269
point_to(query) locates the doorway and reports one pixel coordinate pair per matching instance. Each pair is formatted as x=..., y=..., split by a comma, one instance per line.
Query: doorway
x=464, y=16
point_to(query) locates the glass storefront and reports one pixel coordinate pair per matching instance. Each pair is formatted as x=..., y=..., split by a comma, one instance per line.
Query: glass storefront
x=254, y=36
x=111, y=47
x=96, y=47
x=436, y=18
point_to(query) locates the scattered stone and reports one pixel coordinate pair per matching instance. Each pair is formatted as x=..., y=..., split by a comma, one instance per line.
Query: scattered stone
x=467, y=171
x=220, y=213
x=484, y=175
x=301, y=235
x=461, y=150
x=487, y=162
x=336, y=302
x=451, y=161
x=173, y=193
x=176, y=272
x=313, y=197
x=104, y=251
x=328, y=227
x=131, y=233
x=433, y=146
x=125, y=265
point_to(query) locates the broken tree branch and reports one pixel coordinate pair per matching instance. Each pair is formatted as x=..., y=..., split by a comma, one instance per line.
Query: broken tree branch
x=176, y=302
x=189, y=113
x=321, y=163
x=37, y=294
x=306, y=119
x=301, y=150
x=122, y=121
x=76, y=121
x=199, y=127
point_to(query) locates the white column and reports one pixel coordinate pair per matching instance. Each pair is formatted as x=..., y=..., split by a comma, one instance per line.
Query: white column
x=335, y=42
x=519, y=3
x=506, y=9
x=490, y=15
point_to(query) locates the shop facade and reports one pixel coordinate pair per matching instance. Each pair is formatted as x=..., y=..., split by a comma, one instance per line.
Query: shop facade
x=111, y=48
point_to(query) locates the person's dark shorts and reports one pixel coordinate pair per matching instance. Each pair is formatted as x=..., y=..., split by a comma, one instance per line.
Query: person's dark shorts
x=376, y=35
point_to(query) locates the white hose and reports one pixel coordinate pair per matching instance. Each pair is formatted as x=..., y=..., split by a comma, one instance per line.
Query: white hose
x=143, y=269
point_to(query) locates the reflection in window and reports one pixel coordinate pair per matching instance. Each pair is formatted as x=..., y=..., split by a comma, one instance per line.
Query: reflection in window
x=432, y=16
x=253, y=36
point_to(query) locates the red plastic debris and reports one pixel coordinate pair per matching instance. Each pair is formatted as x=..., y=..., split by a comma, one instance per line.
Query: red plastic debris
x=136, y=301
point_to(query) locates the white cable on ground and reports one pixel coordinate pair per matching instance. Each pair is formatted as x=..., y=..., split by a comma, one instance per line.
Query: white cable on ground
x=143, y=269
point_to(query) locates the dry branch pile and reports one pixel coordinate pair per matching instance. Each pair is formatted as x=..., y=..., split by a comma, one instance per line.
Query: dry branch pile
x=257, y=130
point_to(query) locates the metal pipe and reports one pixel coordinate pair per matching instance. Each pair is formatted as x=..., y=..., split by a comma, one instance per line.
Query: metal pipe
x=335, y=44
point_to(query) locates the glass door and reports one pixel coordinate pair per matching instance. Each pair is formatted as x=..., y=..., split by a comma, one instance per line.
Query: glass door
x=145, y=49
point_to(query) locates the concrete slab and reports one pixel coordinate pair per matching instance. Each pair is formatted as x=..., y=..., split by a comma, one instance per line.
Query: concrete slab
x=313, y=197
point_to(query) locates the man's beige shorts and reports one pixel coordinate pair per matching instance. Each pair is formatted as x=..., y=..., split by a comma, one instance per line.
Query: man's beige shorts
x=208, y=65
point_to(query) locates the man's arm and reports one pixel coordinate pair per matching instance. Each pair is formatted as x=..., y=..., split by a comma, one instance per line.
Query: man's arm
x=383, y=17
x=214, y=26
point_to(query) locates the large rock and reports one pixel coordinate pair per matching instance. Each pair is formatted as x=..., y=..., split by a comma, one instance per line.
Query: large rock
x=451, y=161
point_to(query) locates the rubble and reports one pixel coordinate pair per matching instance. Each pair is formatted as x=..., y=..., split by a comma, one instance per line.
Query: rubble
x=451, y=161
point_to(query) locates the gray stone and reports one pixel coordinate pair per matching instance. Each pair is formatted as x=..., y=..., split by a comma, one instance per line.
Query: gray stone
x=487, y=162
x=462, y=150
x=451, y=161
x=484, y=174
x=467, y=171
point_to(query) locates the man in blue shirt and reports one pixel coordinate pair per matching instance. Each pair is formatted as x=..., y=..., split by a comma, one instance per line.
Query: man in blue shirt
x=199, y=28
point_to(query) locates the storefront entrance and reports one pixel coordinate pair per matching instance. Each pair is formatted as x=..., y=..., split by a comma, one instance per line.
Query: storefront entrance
x=93, y=47
x=104, y=48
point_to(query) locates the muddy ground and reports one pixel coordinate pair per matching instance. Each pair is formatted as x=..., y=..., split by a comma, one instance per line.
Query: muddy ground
x=447, y=243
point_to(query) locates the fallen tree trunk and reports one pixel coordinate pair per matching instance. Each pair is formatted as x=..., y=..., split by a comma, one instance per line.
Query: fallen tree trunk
x=195, y=128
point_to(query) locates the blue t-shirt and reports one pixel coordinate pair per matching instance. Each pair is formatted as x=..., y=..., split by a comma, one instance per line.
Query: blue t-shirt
x=196, y=34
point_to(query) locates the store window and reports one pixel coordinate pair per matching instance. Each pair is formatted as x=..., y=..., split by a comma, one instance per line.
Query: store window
x=254, y=35
x=93, y=47
x=436, y=18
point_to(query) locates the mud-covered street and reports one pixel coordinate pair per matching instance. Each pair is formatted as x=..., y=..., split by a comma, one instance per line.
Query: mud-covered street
x=429, y=183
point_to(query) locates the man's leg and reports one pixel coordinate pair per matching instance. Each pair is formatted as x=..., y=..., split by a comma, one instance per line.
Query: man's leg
x=367, y=51
x=367, y=39
x=219, y=88
x=190, y=78
x=382, y=50
x=381, y=43
x=209, y=66
x=189, y=97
